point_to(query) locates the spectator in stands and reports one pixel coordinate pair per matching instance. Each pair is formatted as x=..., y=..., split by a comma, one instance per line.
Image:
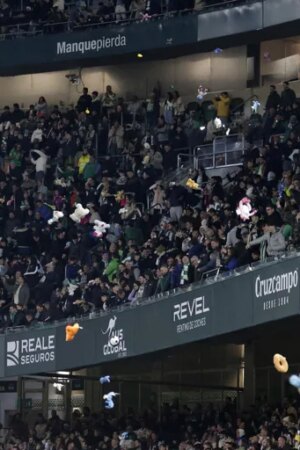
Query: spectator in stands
x=84, y=101
x=136, y=8
x=109, y=101
x=41, y=107
x=40, y=164
x=273, y=100
x=116, y=139
x=222, y=104
x=272, y=242
x=163, y=283
x=288, y=96
x=120, y=10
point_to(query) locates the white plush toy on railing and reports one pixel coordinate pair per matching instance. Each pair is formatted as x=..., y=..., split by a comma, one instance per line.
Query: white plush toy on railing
x=100, y=228
x=79, y=213
x=244, y=210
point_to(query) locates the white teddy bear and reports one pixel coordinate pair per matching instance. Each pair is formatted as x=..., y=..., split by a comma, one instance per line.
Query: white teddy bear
x=56, y=216
x=100, y=228
x=79, y=213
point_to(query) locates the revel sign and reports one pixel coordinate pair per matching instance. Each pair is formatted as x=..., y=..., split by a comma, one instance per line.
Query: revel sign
x=33, y=350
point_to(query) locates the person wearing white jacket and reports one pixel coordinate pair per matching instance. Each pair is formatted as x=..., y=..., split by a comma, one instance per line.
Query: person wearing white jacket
x=40, y=163
x=37, y=135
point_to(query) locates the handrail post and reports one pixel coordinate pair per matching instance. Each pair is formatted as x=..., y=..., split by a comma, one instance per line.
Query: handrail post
x=214, y=153
x=178, y=161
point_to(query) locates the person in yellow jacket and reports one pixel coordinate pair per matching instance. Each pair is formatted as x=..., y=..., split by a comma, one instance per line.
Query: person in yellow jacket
x=83, y=160
x=222, y=104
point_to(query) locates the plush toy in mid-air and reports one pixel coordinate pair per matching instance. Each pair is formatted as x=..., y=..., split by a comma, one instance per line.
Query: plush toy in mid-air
x=56, y=216
x=109, y=400
x=192, y=184
x=72, y=288
x=244, y=210
x=100, y=228
x=105, y=379
x=79, y=213
x=295, y=381
x=71, y=331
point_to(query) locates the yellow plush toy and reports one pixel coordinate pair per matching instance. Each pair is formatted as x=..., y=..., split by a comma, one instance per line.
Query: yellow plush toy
x=192, y=184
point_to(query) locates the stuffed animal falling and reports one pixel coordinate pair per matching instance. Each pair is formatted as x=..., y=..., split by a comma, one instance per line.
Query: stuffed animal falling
x=56, y=216
x=245, y=210
x=105, y=379
x=71, y=331
x=295, y=381
x=100, y=228
x=109, y=402
x=79, y=213
x=192, y=184
x=72, y=288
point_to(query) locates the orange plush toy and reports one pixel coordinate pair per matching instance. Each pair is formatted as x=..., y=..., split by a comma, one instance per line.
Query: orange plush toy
x=71, y=331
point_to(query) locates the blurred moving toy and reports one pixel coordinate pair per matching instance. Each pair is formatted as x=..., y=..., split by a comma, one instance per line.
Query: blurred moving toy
x=79, y=213
x=192, y=184
x=280, y=363
x=114, y=340
x=202, y=92
x=71, y=331
x=109, y=402
x=56, y=216
x=295, y=381
x=72, y=288
x=105, y=379
x=100, y=228
x=244, y=210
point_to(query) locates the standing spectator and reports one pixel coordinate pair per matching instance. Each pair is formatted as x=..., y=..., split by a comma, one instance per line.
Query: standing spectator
x=176, y=195
x=169, y=109
x=116, y=139
x=84, y=101
x=120, y=10
x=109, y=100
x=273, y=100
x=288, y=96
x=40, y=164
x=222, y=104
x=178, y=105
x=272, y=242
x=41, y=107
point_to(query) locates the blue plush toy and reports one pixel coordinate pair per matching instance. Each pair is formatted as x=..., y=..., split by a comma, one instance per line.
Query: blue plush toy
x=109, y=402
x=295, y=381
x=105, y=379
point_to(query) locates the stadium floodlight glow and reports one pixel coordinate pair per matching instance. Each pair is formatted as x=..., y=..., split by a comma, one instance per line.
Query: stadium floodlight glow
x=140, y=55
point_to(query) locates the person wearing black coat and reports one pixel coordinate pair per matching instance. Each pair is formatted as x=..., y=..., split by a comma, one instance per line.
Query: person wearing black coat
x=273, y=100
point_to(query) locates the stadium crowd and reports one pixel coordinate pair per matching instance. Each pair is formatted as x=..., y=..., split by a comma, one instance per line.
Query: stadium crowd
x=262, y=427
x=19, y=16
x=114, y=159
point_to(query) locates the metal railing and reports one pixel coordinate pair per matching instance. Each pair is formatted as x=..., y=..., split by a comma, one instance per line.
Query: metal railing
x=224, y=151
x=17, y=30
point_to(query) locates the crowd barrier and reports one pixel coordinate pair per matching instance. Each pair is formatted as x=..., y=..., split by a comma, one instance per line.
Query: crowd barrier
x=244, y=299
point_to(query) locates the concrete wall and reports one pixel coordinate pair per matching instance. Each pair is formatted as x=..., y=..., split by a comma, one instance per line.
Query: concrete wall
x=216, y=72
